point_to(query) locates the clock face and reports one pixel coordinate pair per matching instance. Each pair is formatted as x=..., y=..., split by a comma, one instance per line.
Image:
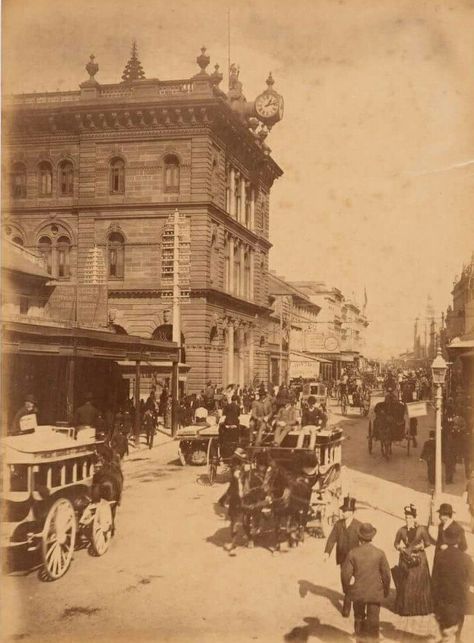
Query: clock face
x=267, y=105
x=330, y=343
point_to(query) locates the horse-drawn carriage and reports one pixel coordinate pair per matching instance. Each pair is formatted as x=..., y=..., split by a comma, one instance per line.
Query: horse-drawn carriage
x=388, y=425
x=288, y=489
x=56, y=496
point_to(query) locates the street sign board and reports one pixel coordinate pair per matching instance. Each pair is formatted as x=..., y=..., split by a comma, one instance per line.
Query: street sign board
x=417, y=409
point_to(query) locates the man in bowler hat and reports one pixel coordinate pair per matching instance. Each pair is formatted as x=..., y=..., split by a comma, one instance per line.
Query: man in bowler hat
x=453, y=574
x=28, y=408
x=365, y=576
x=449, y=528
x=345, y=535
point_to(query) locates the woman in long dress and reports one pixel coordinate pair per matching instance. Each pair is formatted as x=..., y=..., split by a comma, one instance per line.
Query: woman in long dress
x=413, y=582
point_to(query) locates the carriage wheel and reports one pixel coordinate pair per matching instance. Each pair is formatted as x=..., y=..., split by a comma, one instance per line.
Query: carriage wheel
x=211, y=461
x=181, y=457
x=102, y=528
x=59, y=537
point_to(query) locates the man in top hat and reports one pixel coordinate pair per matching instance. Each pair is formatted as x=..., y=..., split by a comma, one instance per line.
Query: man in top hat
x=428, y=454
x=28, y=408
x=365, y=576
x=453, y=574
x=345, y=535
x=449, y=528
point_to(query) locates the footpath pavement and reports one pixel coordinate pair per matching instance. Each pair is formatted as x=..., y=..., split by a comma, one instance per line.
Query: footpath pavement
x=167, y=577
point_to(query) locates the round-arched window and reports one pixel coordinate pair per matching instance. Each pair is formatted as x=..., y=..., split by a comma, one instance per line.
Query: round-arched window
x=115, y=254
x=172, y=173
x=66, y=178
x=45, y=178
x=45, y=247
x=117, y=176
x=63, y=248
x=18, y=181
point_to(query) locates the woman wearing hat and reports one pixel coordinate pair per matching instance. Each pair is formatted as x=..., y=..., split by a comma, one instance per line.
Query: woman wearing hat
x=412, y=576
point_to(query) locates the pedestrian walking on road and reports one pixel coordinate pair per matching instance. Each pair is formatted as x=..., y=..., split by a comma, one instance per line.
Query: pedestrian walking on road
x=412, y=574
x=453, y=574
x=345, y=535
x=365, y=578
x=448, y=529
x=428, y=454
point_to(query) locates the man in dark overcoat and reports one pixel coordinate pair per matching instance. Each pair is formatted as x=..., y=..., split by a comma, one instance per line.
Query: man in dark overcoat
x=345, y=535
x=86, y=415
x=368, y=569
x=453, y=573
x=449, y=529
x=428, y=454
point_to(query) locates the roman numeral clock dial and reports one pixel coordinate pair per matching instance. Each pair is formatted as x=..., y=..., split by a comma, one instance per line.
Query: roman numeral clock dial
x=269, y=104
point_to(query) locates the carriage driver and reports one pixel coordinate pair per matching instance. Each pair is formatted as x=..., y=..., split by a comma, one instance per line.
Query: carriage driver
x=313, y=418
x=28, y=408
x=286, y=420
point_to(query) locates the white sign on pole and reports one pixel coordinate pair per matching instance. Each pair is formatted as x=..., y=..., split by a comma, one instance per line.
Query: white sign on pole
x=417, y=409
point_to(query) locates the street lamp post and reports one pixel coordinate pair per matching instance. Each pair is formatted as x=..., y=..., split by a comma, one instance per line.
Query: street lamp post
x=438, y=370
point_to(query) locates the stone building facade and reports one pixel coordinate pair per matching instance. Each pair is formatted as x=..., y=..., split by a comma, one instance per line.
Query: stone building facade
x=93, y=177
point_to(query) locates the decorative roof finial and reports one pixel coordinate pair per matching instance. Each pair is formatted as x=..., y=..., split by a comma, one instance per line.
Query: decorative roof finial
x=203, y=60
x=133, y=69
x=92, y=68
x=216, y=76
x=270, y=82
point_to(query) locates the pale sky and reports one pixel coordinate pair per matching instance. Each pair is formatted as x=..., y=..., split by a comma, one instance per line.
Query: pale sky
x=377, y=140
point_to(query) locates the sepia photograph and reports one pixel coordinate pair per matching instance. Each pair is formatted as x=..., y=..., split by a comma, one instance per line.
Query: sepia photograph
x=237, y=321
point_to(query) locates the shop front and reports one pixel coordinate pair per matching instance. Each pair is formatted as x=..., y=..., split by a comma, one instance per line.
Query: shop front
x=59, y=365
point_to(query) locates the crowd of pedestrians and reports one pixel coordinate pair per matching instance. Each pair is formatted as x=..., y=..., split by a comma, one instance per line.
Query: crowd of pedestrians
x=366, y=575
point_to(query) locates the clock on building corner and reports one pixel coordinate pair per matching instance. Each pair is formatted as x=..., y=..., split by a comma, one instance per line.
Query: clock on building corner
x=269, y=104
x=331, y=344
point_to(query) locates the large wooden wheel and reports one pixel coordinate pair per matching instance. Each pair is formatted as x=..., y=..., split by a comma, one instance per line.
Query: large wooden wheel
x=59, y=537
x=212, y=458
x=102, y=528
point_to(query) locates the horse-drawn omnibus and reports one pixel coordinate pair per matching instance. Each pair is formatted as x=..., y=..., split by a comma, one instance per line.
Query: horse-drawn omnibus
x=54, y=497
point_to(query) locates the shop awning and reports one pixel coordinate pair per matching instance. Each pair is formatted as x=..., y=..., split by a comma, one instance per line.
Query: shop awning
x=23, y=338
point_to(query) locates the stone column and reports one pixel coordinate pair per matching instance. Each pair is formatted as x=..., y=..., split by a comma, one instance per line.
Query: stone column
x=242, y=271
x=252, y=209
x=251, y=352
x=232, y=192
x=230, y=282
x=236, y=212
x=243, y=194
x=241, y=355
x=251, y=275
x=230, y=352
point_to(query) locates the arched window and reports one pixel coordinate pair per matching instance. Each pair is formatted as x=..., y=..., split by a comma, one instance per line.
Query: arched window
x=63, y=248
x=45, y=246
x=45, y=179
x=117, y=176
x=116, y=244
x=66, y=178
x=18, y=181
x=172, y=171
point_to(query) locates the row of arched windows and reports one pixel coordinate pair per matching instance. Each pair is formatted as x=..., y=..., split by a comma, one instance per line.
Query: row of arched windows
x=18, y=179
x=117, y=176
x=54, y=245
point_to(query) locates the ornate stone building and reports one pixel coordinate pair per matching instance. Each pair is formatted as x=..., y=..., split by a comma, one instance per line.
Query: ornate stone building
x=94, y=175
